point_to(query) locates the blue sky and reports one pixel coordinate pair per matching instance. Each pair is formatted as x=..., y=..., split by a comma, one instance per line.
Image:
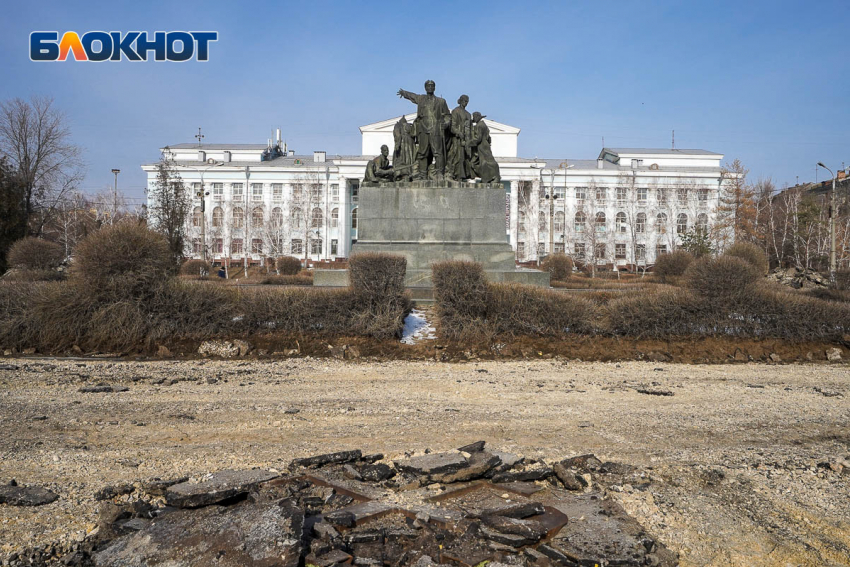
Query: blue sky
x=765, y=82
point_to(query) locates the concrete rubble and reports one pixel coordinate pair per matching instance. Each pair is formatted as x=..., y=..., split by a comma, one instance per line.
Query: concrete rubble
x=468, y=507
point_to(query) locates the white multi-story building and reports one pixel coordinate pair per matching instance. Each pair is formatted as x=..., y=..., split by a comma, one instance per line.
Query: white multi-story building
x=623, y=208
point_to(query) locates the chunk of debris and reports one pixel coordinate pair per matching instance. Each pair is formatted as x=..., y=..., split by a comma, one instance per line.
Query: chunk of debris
x=103, y=389
x=321, y=460
x=654, y=392
x=15, y=495
x=435, y=463
x=220, y=486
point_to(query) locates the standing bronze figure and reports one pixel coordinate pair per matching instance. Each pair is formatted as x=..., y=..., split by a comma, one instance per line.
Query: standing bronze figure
x=404, y=154
x=483, y=162
x=457, y=166
x=432, y=120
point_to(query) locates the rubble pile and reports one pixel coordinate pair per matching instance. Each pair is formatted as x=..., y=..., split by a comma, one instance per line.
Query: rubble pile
x=469, y=507
x=798, y=278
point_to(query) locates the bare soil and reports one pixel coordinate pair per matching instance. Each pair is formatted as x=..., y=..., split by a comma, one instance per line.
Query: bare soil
x=746, y=464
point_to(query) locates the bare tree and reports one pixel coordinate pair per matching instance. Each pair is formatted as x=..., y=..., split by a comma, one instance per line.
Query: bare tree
x=170, y=207
x=35, y=138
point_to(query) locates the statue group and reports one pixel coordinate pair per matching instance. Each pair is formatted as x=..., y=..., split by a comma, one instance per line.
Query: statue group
x=438, y=144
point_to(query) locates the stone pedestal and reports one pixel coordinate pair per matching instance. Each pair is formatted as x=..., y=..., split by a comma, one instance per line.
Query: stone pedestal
x=431, y=221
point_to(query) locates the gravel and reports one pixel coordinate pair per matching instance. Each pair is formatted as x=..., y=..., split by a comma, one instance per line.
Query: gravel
x=732, y=473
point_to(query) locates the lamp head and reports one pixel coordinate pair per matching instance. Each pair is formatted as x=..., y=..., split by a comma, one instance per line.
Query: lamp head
x=821, y=165
x=116, y=171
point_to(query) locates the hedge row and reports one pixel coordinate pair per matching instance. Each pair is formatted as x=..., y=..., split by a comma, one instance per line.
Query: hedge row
x=127, y=301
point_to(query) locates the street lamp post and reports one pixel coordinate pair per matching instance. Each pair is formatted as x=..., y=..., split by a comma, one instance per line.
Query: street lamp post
x=832, y=213
x=202, y=194
x=565, y=166
x=115, y=196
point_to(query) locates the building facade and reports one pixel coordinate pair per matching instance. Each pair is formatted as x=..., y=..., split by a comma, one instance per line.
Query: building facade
x=621, y=209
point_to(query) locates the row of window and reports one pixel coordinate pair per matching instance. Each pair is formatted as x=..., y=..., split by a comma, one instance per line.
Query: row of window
x=315, y=192
x=622, y=194
x=601, y=250
x=316, y=219
x=600, y=222
x=296, y=246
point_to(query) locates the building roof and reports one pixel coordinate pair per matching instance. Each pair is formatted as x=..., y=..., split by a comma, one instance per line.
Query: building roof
x=195, y=146
x=659, y=151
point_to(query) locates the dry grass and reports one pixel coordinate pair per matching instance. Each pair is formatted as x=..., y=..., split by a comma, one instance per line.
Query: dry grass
x=195, y=267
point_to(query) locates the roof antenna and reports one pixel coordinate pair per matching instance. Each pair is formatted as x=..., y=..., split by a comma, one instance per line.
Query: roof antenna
x=603, y=141
x=199, y=136
x=674, y=140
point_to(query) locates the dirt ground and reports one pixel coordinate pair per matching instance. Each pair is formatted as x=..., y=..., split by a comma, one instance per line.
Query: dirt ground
x=746, y=464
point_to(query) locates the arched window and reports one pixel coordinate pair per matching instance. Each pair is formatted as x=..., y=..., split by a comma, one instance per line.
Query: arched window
x=682, y=196
x=238, y=217
x=335, y=218
x=702, y=222
x=559, y=222
x=218, y=217
x=277, y=217
x=257, y=217
x=640, y=223
x=661, y=223
x=580, y=221
x=295, y=217
x=621, y=222
x=196, y=216
x=354, y=218
x=316, y=218
x=600, y=222
x=682, y=223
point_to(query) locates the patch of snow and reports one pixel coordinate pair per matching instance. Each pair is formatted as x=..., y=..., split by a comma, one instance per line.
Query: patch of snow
x=417, y=328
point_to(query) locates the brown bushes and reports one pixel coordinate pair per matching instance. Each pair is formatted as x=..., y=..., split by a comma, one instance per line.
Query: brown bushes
x=559, y=266
x=288, y=265
x=35, y=254
x=300, y=279
x=751, y=254
x=673, y=264
x=468, y=308
x=195, y=268
x=721, y=278
x=377, y=276
x=460, y=292
x=123, y=260
x=666, y=313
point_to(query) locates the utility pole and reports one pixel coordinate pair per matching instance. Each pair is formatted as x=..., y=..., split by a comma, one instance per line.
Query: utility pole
x=832, y=243
x=115, y=195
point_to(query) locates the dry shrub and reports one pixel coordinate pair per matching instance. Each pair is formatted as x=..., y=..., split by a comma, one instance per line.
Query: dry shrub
x=673, y=264
x=60, y=313
x=516, y=309
x=24, y=275
x=829, y=294
x=790, y=316
x=36, y=254
x=661, y=314
x=751, y=254
x=842, y=280
x=123, y=260
x=377, y=276
x=300, y=279
x=195, y=268
x=16, y=324
x=559, y=266
x=722, y=279
x=460, y=294
x=298, y=311
x=184, y=310
x=288, y=265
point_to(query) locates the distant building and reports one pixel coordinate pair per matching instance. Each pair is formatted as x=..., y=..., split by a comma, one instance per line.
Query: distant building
x=621, y=209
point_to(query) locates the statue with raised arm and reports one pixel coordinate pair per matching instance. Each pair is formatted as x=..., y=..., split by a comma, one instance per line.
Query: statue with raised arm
x=378, y=169
x=404, y=154
x=432, y=120
x=457, y=166
x=484, y=165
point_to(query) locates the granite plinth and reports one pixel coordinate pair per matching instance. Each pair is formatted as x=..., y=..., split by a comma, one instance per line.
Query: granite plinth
x=428, y=221
x=433, y=221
